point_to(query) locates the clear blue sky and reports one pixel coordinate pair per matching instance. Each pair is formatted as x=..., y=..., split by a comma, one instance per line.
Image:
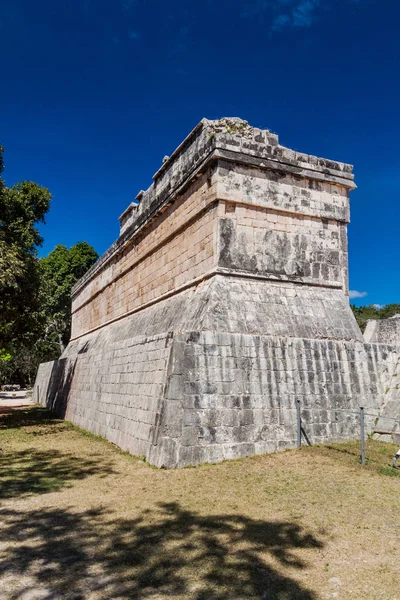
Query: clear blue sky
x=95, y=92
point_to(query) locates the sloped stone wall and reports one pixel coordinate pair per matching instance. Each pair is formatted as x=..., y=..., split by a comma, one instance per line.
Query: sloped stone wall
x=202, y=392
x=234, y=395
x=115, y=392
x=188, y=398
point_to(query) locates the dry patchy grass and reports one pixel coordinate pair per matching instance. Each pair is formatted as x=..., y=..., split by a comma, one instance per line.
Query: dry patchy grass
x=81, y=520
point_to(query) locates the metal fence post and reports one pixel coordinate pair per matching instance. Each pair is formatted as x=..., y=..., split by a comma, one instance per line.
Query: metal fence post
x=298, y=423
x=362, y=435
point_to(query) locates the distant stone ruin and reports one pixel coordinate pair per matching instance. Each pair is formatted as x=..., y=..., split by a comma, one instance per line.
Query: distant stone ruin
x=385, y=331
x=223, y=300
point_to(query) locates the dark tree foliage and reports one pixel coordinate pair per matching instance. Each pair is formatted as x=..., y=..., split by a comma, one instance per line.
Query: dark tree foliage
x=22, y=207
x=60, y=270
x=1, y=169
x=364, y=313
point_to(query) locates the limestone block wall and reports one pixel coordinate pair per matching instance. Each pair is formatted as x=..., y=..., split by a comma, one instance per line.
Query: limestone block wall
x=383, y=331
x=194, y=389
x=234, y=304
x=234, y=395
x=176, y=249
x=223, y=301
x=112, y=381
x=282, y=190
x=386, y=332
x=278, y=246
x=115, y=392
x=44, y=384
x=229, y=197
x=283, y=225
x=187, y=397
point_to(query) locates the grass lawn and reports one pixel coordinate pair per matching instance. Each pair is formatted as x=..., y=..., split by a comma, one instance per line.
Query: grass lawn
x=81, y=520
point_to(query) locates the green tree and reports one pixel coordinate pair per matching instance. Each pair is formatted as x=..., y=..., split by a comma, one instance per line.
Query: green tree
x=35, y=310
x=60, y=270
x=22, y=207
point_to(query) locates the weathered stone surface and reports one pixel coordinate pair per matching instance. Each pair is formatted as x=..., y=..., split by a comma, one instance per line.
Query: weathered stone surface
x=380, y=332
x=383, y=331
x=222, y=302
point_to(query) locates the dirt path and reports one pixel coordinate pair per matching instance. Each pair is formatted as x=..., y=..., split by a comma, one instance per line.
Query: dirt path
x=9, y=404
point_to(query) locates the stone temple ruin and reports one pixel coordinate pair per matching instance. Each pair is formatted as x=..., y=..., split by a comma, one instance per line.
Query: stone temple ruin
x=224, y=300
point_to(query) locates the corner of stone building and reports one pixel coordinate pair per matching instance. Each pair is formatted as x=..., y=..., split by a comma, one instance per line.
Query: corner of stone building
x=53, y=384
x=370, y=330
x=164, y=454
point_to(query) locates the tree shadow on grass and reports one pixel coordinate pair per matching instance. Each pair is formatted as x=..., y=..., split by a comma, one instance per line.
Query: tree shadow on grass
x=17, y=417
x=168, y=552
x=27, y=472
x=31, y=471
